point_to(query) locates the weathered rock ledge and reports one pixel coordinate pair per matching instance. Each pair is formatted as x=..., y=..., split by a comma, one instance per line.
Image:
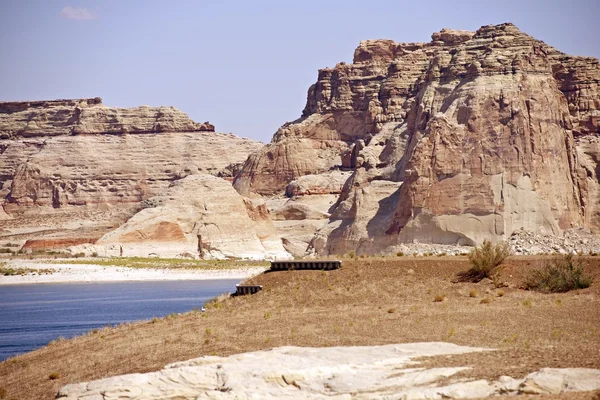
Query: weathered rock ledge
x=324, y=373
x=90, y=116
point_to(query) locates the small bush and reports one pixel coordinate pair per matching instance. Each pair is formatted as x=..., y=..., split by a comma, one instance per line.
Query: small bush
x=485, y=261
x=562, y=274
x=3, y=393
x=500, y=293
x=473, y=293
x=439, y=298
x=400, y=254
x=391, y=310
x=54, y=375
x=486, y=300
x=351, y=254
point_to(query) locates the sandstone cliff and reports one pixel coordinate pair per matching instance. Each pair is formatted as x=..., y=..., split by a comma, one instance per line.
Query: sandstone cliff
x=89, y=116
x=200, y=215
x=471, y=136
x=75, y=169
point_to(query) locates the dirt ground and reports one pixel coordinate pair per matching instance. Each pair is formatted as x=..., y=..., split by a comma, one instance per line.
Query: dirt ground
x=370, y=301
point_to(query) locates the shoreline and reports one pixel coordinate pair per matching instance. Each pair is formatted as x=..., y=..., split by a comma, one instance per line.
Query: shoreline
x=90, y=273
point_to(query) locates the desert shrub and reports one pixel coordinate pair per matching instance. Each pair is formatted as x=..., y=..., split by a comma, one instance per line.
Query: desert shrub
x=400, y=254
x=559, y=275
x=54, y=375
x=439, y=298
x=5, y=251
x=485, y=261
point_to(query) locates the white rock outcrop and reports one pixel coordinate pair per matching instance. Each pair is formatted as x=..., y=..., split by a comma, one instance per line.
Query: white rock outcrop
x=375, y=372
x=198, y=216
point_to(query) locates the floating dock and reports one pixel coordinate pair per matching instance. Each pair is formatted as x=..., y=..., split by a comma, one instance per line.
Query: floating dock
x=324, y=265
x=242, y=290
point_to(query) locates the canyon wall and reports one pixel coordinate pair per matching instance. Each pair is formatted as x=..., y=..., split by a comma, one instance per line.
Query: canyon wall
x=472, y=136
x=73, y=170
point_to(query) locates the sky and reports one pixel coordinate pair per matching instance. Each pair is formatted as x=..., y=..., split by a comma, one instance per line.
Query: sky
x=243, y=65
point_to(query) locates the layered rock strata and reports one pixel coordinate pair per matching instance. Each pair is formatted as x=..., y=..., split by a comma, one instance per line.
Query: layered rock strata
x=90, y=116
x=471, y=136
x=73, y=170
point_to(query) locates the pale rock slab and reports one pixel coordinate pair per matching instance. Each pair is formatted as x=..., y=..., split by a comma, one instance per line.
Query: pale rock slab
x=324, y=373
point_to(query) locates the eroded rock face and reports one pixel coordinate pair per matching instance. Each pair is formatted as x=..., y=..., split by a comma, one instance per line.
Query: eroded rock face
x=323, y=373
x=197, y=216
x=469, y=137
x=90, y=116
x=75, y=169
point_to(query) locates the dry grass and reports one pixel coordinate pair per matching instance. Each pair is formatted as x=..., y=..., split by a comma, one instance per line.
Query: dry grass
x=10, y=271
x=346, y=307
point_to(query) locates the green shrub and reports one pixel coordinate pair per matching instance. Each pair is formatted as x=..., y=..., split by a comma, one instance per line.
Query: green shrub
x=400, y=254
x=485, y=261
x=562, y=274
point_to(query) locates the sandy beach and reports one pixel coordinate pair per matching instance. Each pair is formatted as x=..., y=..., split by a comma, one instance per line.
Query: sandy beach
x=70, y=273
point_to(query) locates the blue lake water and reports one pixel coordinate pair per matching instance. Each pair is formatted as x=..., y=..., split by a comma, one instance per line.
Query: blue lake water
x=33, y=315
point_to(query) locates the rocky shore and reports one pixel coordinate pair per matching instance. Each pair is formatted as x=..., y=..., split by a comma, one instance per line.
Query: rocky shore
x=72, y=273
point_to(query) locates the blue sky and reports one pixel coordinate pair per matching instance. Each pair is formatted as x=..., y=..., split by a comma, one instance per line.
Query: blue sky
x=243, y=65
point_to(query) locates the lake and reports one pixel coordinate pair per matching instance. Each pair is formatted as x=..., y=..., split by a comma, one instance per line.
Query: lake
x=33, y=315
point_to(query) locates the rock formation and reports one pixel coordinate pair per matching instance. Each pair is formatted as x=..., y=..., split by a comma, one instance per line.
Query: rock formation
x=472, y=136
x=323, y=373
x=73, y=170
x=200, y=215
x=90, y=116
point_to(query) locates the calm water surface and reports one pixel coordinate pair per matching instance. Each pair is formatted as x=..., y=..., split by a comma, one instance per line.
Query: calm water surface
x=33, y=315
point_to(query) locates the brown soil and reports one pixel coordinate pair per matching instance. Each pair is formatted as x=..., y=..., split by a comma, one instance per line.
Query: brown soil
x=36, y=244
x=369, y=301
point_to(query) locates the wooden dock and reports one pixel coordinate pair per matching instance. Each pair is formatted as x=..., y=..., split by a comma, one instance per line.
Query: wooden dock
x=242, y=290
x=322, y=265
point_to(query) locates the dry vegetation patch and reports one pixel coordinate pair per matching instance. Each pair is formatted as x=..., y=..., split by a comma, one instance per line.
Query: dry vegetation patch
x=369, y=301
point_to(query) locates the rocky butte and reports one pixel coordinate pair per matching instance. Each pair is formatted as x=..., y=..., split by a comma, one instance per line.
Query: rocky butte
x=472, y=136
